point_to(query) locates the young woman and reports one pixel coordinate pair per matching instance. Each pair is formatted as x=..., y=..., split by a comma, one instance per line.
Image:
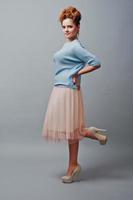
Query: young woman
x=65, y=117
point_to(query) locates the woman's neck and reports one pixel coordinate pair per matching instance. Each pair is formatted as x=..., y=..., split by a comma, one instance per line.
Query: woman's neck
x=70, y=40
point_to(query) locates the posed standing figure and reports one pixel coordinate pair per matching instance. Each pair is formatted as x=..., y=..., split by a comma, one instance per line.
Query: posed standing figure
x=65, y=117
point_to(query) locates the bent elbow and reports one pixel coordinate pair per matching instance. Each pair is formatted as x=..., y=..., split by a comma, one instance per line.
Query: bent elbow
x=98, y=66
x=97, y=63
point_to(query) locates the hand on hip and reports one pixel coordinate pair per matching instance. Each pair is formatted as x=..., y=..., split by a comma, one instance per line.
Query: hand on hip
x=76, y=80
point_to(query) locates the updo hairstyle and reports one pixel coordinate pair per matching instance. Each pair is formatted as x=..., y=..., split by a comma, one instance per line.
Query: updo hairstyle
x=72, y=13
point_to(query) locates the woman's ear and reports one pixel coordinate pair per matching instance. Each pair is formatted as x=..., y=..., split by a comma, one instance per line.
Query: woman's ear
x=78, y=26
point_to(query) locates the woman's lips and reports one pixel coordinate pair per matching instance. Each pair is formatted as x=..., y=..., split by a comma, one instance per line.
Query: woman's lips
x=67, y=33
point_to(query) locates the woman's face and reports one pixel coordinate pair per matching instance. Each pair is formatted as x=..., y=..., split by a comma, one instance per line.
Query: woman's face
x=70, y=29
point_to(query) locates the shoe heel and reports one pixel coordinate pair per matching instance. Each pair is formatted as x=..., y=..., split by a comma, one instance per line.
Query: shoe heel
x=101, y=140
x=76, y=176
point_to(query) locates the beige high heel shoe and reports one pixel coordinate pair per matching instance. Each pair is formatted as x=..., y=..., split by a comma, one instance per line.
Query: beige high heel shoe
x=99, y=134
x=74, y=177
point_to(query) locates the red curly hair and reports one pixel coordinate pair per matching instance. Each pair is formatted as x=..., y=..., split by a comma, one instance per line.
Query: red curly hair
x=72, y=13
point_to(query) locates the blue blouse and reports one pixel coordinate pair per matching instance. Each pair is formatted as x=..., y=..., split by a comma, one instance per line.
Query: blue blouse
x=70, y=59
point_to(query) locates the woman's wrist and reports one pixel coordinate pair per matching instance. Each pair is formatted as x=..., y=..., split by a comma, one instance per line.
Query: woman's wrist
x=78, y=73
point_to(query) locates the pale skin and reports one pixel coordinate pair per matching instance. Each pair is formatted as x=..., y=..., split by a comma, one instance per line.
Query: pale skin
x=71, y=31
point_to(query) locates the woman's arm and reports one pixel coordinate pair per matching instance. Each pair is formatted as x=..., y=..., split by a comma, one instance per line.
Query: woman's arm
x=88, y=69
x=90, y=60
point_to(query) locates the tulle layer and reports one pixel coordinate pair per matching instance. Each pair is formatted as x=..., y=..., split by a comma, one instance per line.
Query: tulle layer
x=65, y=117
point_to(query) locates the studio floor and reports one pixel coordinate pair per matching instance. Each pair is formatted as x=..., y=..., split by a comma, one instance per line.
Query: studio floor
x=32, y=170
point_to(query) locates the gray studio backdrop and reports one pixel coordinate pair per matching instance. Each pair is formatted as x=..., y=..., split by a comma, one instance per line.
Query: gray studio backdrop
x=30, y=34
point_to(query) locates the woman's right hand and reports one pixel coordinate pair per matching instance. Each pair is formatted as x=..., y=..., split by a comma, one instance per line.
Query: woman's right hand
x=76, y=80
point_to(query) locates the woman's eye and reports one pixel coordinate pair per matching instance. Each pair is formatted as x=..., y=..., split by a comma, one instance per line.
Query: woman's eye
x=67, y=26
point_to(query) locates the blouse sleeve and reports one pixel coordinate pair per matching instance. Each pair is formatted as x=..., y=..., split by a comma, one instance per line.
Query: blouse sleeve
x=86, y=57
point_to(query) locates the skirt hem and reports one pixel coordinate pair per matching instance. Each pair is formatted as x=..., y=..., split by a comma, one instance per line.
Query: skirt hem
x=56, y=136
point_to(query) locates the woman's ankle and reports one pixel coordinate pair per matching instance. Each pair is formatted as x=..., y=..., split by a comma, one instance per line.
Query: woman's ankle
x=91, y=134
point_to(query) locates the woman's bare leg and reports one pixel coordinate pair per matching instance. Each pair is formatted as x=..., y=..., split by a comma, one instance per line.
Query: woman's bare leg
x=73, y=151
x=73, y=156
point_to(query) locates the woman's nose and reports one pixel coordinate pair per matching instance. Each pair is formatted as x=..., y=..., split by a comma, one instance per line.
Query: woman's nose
x=66, y=29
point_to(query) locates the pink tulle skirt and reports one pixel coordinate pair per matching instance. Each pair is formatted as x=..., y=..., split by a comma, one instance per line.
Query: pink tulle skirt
x=65, y=117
